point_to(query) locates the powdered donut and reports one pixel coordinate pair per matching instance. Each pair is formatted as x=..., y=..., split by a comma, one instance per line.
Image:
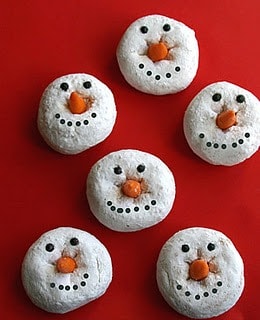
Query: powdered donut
x=222, y=124
x=129, y=190
x=200, y=273
x=65, y=269
x=158, y=55
x=76, y=112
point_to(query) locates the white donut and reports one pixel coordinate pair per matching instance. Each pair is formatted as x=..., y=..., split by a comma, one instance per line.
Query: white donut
x=65, y=269
x=158, y=55
x=129, y=190
x=76, y=112
x=222, y=124
x=200, y=273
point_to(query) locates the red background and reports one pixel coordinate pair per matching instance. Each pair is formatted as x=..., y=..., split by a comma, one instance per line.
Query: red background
x=42, y=189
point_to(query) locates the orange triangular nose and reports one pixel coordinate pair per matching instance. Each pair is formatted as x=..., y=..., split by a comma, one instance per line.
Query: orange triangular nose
x=66, y=265
x=77, y=104
x=157, y=51
x=132, y=188
x=226, y=119
x=199, y=269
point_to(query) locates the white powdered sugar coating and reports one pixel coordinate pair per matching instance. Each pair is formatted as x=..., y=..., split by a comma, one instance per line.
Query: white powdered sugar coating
x=209, y=297
x=167, y=76
x=70, y=133
x=120, y=212
x=214, y=145
x=58, y=292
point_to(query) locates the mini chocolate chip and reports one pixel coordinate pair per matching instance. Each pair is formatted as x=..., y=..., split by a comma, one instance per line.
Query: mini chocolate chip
x=74, y=241
x=166, y=27
x=168, y=75
x=64, y=86
x=118, y=170
x=141, y=65
x=185, y=248
x=49, y=247
x=240, y=98
x=144, y=29
x=177, y=69
x=216, y=97
x=211, y=246
x=140, y=168
x=87, y=84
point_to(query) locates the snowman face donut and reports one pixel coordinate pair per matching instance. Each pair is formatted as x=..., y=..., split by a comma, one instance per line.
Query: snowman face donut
x=222, y=124
x=65, y=269
x=129, y=190
x=76, y=112
x=158, y=55
x=200, y=273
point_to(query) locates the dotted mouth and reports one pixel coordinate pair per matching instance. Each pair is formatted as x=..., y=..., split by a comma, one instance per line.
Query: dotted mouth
x=77, y=123
x=146, y=207
x=74, y=287
x=224, y=146
x=158, y=77
x=204, y=294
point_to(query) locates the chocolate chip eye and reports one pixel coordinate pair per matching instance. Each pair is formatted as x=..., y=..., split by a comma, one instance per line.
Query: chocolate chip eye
x=64, y=86
x=87, y=84
x=144, y=29
x=185, y=248
x=74, y=241
x=141, y=168
x=166, y=27
x=49, y=247
x=216, y=97
x=240, y=98
x=118, y=170
x=211, y=246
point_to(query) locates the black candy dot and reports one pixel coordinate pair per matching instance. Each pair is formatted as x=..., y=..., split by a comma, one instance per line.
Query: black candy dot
x=234, y=144
x=223, y=146
x=127, y=210
x=247, y=135
x=216, y=97
x=64, y=86
x=208, y=144
x=215, y=145
x=149, y=73
x=206, y=294
x=141, y=65
x=136, y=209
x=153, y=202
x=185, y=248
x=83, y=283
x=211, y=246
x=240, y=141
x=177, y=69
x=240, y=98
x=74, y=241
x=201, y=135
x=87, y=84
x=67, y=288
x=187, y=293
x=168, y=75
x=93, y=115
x=75, y=287
x=113, y=208
x=157, y=77
x=141, y=168
x=120, y=210
x=62, y=121
x=61, y=287
x=57, y=115
x=69, y=123
x=147, y=207
x=49, y=247
x=78, y=123
x=214, y=290
x=144, y=29
x=85, y=122
x=118, y=170
x=219, y=283
x=109, y=203
x=85, y=275
x=166, y=27
x=52, y=285
x=197, y=297
x=179, y=287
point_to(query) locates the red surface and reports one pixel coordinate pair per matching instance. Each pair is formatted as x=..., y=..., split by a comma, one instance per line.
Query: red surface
x=41, y=189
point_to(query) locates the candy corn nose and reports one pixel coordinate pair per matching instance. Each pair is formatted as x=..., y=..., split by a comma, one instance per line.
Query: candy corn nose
x=132, y=188
x=226, y=119
x=66, y=265
x=77, y=104
x=157, y=51
x=198, y=270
